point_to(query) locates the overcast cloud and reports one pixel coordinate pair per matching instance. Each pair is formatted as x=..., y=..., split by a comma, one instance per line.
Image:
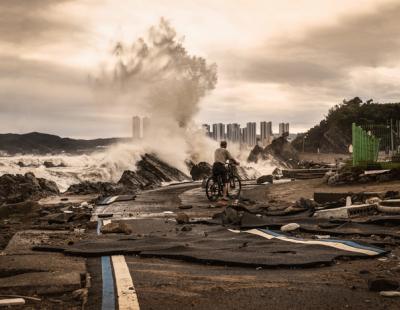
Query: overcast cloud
x=287, y=61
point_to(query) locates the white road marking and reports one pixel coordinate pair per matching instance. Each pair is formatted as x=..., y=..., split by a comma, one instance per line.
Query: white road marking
x=336, y=245
x=127, y=298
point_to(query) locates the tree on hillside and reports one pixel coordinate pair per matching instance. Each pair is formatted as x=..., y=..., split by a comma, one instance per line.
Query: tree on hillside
x=333, y=134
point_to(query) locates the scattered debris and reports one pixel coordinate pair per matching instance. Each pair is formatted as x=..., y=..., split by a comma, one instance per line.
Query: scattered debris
x=348, y=211
x=390, y=293
x=12, y=302
x=354, y=175
x=290, y=227
x=182, y=218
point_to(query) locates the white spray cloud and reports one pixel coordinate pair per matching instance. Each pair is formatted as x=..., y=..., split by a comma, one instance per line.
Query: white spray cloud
x=156, y=76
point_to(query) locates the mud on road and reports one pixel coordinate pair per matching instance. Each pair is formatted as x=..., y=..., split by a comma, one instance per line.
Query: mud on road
x=165, y=283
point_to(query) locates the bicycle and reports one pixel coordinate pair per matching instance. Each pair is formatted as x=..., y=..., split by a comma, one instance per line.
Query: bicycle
x=215, y=185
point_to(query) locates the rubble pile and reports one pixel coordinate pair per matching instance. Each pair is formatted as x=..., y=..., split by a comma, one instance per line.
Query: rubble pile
x=356, y=175
x=19, y=188
x=33, y=215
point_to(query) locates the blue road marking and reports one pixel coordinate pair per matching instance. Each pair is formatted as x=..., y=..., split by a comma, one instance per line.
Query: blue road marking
x=108, y=295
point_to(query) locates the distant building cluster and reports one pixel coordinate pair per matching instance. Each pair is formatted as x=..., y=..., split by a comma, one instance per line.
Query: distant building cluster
x=244, y=136
x=140, y=127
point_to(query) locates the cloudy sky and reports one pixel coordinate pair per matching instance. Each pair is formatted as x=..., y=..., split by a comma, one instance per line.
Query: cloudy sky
x=277, y=60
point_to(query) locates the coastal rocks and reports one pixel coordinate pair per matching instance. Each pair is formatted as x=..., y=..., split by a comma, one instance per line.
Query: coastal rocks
x=283, y=151
x=151, y=172
x=257, y=153
x=280, y=149
x=18, y=188
x=86, y=187
x=50, y=164
x=200, y=171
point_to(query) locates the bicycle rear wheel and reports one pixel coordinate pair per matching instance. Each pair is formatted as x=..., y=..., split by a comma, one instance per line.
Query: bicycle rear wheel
x=234, y=187
x=212, y=189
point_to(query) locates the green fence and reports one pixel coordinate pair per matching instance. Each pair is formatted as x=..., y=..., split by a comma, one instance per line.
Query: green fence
x=365, y=146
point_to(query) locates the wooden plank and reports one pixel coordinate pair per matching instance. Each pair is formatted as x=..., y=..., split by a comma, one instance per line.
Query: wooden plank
x=12, y=302
x=127, y=298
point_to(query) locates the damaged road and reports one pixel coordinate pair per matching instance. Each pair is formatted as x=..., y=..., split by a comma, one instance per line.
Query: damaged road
x=210, y=259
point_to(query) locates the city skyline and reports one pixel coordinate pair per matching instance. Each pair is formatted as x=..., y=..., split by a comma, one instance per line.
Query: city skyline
x=250, y=135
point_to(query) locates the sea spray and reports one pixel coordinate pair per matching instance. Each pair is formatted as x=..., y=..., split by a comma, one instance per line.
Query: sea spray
x=154, y=76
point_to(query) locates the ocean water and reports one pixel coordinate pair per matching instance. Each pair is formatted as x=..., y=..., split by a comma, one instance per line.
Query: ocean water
x=107, y=165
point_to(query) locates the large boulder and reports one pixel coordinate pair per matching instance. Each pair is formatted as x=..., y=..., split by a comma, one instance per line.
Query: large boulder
x=283, y=151
x=280, y=150
x=19, y=188
x=201, y=171
x=256, y=153
x=151, y=172
x=103, y=188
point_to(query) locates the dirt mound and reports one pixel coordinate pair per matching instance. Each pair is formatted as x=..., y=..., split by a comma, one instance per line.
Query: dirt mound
x=19, y=188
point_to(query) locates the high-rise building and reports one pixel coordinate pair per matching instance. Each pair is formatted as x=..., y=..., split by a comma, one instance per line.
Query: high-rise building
x=266, y=132
x=283, y=128
x=136, y=127
x=146, y=127
x=251, y=133
x=244, y=136
x=218, y=132
x=287, y=128
x=233, y=133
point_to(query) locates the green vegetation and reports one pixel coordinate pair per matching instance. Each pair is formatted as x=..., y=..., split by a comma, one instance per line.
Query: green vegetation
x=333, y=134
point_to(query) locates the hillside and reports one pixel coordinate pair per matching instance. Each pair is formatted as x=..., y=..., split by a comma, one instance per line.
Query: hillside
x=333, y=134
x=40, y=144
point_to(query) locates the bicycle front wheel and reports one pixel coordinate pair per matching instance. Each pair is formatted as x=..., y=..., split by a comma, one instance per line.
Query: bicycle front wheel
x=234, y=187
x=212, y=189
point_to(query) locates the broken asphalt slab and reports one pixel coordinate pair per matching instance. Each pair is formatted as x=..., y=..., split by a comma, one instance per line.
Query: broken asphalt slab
x=220, y=246
x=41, y=283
